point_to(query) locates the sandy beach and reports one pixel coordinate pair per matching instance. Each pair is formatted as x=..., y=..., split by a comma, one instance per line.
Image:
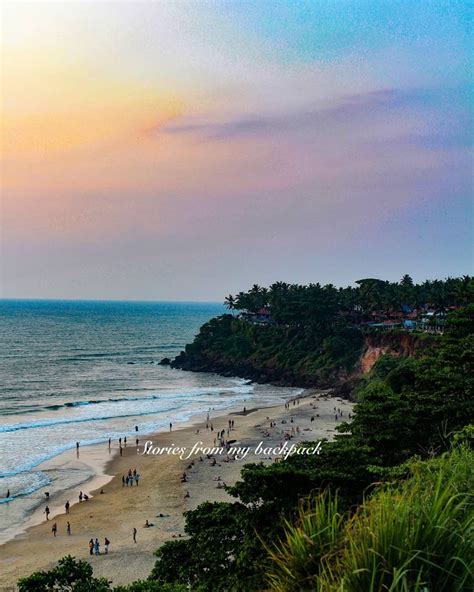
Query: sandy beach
x=119, y=509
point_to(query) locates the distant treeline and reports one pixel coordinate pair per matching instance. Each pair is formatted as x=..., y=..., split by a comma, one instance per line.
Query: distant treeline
x=294, y=303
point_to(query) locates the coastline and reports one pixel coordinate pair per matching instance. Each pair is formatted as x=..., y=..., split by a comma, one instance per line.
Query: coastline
x=160, y=491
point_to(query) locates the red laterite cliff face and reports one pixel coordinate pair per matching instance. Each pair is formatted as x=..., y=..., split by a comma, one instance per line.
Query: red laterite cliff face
x=370, y=356
x=395, y=344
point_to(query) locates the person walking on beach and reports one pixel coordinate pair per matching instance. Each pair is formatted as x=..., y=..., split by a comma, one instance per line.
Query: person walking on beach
x=97, y=547
x=54, y=529
x=137, y=477
x=47, y=512
x=66, y=505
x=91, y=547
x=125, y=441
x=68, y=528
x=106, y=545
x=134, y=534
x=80, y=496
x=171, y=426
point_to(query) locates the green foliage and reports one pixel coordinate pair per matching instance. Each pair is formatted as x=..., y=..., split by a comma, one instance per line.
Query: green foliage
x=219, y=553
x=305, y=548
x=69, y=575
x=72, y=575
x=343, y=465
x=410, y=537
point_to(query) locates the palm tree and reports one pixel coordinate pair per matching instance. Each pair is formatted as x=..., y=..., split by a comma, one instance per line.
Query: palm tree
x=229, y=302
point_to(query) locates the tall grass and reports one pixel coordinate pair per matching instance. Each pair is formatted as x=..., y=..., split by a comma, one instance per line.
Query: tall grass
x=414, y=537
x=307, y=546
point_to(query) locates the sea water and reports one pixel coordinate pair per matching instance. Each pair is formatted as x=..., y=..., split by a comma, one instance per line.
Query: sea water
x=89, y=371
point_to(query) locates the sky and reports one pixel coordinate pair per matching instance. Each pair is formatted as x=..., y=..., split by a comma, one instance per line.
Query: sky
x=187, y=150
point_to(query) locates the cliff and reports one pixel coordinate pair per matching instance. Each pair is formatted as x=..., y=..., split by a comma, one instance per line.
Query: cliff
x=293, y=356
x=392, y=343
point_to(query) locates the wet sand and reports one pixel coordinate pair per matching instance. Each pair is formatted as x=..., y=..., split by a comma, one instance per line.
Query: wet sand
x=119, y=509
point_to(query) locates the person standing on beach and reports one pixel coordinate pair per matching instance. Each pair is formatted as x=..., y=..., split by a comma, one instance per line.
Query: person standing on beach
x=54, y=529
x=8, y=494
x=80, y=496
x=171, y=426
x=66, y=505
x=68, y=528
x=134, y=533
x=91, y=547
x=97, y=547
x=106, y=545
x=47, y=511
x=125, y=441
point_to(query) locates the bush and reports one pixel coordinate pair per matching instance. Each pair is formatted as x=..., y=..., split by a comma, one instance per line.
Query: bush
x=69, y=575
x=412, y=537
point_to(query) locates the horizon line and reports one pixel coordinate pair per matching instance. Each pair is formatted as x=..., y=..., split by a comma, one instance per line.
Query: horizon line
x=35, y=299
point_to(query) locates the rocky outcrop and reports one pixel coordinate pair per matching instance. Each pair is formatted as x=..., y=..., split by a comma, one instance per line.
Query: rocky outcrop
x=261, y=374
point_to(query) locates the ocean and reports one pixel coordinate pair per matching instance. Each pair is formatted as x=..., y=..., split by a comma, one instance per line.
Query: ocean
x=89, y=371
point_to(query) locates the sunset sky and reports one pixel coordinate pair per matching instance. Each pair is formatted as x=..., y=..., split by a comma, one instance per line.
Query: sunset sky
x=185, y=150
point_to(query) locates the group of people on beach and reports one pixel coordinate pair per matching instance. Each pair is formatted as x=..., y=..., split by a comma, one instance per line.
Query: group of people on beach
x=94, y=546
x=130, y=478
